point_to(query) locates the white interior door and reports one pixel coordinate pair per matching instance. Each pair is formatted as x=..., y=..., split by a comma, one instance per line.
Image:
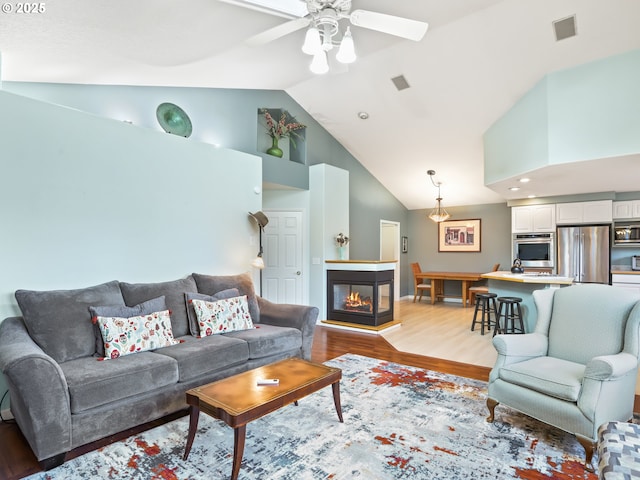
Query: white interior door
x=282, y=277
x=390, y=250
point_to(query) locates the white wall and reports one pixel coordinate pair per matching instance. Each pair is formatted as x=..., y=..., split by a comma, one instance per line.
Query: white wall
x=85, y=200
x=329, y=187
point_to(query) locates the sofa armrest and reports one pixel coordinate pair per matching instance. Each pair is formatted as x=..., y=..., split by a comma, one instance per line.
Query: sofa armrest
x=302, y=317
x=39, y=392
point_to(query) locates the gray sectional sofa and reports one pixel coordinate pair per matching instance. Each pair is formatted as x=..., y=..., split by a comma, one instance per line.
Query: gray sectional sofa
x=63, y=396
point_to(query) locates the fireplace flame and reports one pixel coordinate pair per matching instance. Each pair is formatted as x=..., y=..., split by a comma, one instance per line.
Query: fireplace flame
x=360, y=304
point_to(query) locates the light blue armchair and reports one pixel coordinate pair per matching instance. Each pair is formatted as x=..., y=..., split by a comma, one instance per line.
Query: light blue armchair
x=578, y=369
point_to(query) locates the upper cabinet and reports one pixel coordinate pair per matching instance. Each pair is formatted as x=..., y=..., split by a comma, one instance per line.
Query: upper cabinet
x=533, y=218
x=626, y=209
x=584, y=212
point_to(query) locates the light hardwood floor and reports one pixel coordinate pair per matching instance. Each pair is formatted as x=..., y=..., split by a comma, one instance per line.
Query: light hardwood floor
x=442, y=331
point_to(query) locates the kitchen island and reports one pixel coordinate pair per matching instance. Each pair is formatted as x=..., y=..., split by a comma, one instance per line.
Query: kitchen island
x=507, y=284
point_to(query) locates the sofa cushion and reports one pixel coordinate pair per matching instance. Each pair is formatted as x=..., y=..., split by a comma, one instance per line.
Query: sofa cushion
x=221, y=316
x=173, y=291
x=191, y=314
x=123, y=311
x=212, y=284
x=197, y=357
x=125, y=336
x=59, y=321
x=551, y=376
x=92, y=383
x=266, y=340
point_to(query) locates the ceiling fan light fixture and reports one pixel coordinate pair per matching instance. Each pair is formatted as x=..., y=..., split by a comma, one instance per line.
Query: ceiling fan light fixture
x=312, y=44
x=319, y=64
x=346, y=52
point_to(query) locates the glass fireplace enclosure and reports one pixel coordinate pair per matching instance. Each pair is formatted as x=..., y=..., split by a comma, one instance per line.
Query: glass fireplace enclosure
x=361, y=297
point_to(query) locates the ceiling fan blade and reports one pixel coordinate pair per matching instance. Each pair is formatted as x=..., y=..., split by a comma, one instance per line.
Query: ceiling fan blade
x=277, y=32
x=261, y=6
x=399, y=26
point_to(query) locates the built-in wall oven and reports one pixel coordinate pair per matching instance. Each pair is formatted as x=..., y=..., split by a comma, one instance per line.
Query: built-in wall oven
x=535, y=250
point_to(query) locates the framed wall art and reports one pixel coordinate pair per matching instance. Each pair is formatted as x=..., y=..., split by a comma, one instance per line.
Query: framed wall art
x=459, y=236
x=405, y=244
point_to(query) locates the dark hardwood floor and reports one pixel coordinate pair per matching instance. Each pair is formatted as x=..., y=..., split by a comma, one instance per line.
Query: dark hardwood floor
x=17, y=460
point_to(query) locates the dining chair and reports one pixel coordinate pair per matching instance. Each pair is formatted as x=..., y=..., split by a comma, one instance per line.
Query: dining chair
x=419, y=286
x=473, y=291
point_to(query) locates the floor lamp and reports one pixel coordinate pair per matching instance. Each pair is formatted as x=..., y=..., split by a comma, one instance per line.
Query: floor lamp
x=262, y=220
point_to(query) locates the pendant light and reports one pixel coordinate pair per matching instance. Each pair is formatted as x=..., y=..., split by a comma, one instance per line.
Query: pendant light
x=438, y=214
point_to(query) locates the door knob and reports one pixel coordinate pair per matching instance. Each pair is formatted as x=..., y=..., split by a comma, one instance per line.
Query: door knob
x=298, y=272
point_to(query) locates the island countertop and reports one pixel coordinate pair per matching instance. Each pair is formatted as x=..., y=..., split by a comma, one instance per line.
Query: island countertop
x=528, y=278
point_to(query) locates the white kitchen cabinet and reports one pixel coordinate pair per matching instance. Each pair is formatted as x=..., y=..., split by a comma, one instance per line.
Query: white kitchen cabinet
x=630, y=282
x=600, y=211
x=533, y=218
x=626, y=209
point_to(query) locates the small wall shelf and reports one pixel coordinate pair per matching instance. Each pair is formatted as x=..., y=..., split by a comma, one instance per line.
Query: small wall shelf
x=294, y=149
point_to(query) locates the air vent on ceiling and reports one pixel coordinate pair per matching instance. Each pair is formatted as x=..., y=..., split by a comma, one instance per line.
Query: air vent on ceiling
x=400, y=82
x=565, y=28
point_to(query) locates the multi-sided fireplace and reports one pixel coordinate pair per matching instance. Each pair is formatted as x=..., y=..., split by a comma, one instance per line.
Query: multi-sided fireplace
x=362, y=297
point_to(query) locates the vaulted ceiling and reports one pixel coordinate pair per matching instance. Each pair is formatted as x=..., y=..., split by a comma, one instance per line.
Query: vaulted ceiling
x=476, y=60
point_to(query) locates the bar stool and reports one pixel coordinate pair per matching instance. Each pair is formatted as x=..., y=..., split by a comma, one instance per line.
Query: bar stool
x=509, y=312
x=484, y=304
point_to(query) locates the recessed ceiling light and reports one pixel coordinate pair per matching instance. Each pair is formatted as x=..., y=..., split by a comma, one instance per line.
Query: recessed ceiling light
x=524, y=180
x=363, y=115
x=514, y=189
x=531, y=196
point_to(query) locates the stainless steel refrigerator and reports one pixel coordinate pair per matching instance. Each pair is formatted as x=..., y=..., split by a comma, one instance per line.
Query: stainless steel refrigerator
x=584, y=253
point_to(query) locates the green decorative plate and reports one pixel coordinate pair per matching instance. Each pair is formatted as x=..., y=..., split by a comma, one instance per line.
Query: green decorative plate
x=173, y=119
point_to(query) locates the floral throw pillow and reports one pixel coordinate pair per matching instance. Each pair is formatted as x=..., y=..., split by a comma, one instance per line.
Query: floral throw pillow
x=226, y=315
x=123, y=336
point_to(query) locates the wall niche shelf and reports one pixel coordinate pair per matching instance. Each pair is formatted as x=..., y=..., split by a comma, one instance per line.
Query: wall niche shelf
x=295, y=152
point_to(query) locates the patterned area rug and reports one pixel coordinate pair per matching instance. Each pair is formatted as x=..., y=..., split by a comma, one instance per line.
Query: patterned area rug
x=399, y=422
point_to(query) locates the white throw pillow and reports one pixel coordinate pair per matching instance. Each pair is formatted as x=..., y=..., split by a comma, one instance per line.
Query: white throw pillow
x=222, y=316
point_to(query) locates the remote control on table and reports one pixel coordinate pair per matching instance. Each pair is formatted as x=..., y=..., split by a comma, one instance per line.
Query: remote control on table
x=268, y=381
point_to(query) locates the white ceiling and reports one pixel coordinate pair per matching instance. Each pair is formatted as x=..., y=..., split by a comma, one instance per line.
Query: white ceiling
x=476, y=60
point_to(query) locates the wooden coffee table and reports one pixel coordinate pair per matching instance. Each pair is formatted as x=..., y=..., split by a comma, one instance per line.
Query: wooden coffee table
x=239, y=399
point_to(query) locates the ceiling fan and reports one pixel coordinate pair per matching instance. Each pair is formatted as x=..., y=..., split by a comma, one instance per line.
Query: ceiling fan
x=325, y=15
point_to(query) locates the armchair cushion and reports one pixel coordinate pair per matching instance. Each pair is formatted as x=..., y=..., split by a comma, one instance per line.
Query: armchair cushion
x=550, y=376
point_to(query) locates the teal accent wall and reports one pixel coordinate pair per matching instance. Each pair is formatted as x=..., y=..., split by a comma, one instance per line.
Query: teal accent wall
x=228, y=117
x=518, y=142
x=594, y=110
x=86, y=200
x=587, y=112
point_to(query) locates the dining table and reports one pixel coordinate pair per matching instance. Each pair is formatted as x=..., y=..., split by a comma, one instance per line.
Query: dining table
x=437, y=283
